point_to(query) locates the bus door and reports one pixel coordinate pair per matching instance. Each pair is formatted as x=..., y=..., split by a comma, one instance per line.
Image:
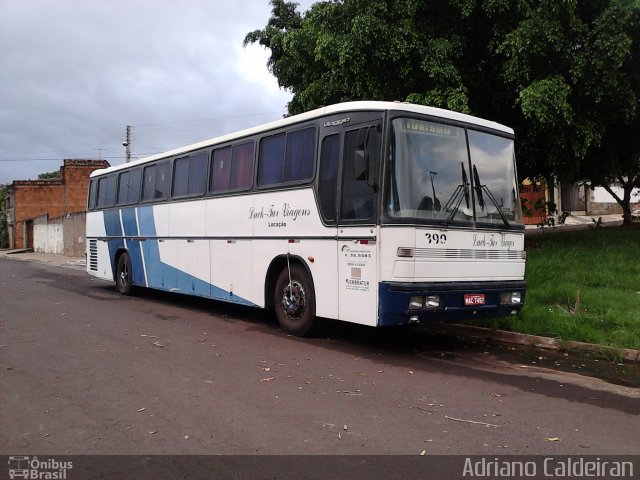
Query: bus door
x=357, y=258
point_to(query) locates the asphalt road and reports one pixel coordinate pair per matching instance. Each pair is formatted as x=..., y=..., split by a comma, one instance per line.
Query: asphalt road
x=86, y=371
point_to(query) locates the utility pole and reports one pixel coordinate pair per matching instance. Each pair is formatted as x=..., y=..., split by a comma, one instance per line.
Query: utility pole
x=127, y=144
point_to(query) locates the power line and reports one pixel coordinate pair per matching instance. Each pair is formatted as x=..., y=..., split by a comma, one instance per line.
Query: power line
x=206, y=119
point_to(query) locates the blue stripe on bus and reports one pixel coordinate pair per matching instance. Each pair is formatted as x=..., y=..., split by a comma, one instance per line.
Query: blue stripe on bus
x=113, y=228
x=129, y=222
x=160, y=275
x=146, y=224
x=112, y=223
x=130, y=225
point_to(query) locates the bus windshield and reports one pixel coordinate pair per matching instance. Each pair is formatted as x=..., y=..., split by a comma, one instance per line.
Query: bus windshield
x=433, y=178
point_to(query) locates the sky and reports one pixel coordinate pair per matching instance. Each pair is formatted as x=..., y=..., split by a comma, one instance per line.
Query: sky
x=75, y=73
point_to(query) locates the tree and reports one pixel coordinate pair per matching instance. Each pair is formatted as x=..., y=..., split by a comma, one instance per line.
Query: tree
x=563, y=74
x=49, y=175
x=365, y=49
x=575, y=67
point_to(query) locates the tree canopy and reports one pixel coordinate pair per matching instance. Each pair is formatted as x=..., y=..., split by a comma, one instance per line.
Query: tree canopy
x=49, y=175
x=564, y=74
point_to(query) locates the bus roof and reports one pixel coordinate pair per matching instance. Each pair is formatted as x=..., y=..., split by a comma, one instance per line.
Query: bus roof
x=310, y=115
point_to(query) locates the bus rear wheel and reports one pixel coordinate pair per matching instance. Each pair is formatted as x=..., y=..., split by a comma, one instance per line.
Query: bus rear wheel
x=294, y=301
x=124, y=284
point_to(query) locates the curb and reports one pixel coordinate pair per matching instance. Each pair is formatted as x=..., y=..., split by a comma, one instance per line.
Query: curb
x=504, y=336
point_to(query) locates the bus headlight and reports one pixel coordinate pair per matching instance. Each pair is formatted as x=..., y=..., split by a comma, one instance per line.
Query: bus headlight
x=432, y=302
x=510, y=298
x=415, y=303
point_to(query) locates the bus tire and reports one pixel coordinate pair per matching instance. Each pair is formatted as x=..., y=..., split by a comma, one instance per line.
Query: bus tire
x=295, y=307
x=124, y=284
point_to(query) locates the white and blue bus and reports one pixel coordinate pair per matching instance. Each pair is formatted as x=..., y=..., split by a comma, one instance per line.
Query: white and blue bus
x=376, y=213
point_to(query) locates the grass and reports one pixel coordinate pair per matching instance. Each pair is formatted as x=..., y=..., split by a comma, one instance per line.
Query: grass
x=602, y=267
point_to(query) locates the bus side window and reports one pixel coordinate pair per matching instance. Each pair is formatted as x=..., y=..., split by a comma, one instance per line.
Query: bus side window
x=157, y=181
x=298, y=162
x=271, y=158
x=181, y=176
x=149, y=187
x=328, y=176
x=358, y=197
x=198, y=174
x=107, y=191
x=220, y=170
x=93, y=190
x=242, y=166
x=190, y=175
x=163, y=181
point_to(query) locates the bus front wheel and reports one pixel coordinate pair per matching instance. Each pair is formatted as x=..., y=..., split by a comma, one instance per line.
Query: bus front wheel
x=295, y=301
x=124, y=283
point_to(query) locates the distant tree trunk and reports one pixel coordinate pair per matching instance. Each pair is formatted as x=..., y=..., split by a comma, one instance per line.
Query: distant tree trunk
x=625, y=202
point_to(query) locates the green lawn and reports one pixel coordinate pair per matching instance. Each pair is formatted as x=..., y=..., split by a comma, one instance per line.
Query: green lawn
x=600, y=265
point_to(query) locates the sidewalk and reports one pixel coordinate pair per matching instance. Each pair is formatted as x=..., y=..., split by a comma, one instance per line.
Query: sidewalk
x=577, y=222
x=48, y=258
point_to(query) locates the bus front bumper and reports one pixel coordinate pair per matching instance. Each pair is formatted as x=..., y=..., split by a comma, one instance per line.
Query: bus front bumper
x=402, y=303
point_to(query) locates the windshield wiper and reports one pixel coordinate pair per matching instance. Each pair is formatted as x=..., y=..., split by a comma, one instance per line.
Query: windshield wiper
x=479, y=188
x=461, y=192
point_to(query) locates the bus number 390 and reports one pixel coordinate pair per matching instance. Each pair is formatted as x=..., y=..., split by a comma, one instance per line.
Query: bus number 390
x=436, y=238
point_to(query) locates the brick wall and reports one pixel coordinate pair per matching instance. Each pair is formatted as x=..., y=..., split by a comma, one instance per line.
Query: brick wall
x=76, y=180
x=32, y=199
x=55, y=197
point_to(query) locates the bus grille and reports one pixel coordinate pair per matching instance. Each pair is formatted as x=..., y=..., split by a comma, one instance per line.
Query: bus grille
x=93, y=255
x=469, y=254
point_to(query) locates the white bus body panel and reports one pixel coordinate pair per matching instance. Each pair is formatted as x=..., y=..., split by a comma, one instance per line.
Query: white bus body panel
x=448, y=255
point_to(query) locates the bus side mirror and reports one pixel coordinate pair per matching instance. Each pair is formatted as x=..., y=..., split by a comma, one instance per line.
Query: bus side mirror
x=361, y=156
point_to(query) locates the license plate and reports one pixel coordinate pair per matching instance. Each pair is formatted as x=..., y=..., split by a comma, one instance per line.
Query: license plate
x=471, y=299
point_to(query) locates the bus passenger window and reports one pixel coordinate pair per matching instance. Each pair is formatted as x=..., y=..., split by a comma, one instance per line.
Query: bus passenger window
x=298, y=162
x=157, y=182
x=220, y=170
x=242, y=166
x=107, y=191
x=328, y=176
x=180, y=177
x=149, y=186
x=197, y=174
x=93, y=190
x=270, y=162
x=129, y=187
x=163, y=181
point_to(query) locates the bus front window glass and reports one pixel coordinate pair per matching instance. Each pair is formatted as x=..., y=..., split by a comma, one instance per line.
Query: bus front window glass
x=494, y=178
x=429, y=171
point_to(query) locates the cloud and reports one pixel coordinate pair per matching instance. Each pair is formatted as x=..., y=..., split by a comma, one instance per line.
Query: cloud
x=75, y=73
